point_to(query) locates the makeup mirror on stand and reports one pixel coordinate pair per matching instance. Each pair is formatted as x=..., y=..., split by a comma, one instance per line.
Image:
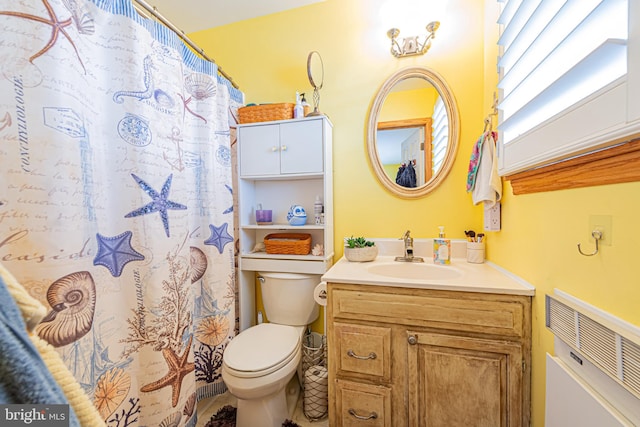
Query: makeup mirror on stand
x=315, y=71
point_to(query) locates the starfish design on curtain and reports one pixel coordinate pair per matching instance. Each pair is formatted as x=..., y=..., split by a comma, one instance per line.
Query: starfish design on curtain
x=57, y=28
x=160, y=202
x=219, y=237
x=115, y=252
x=178, y=369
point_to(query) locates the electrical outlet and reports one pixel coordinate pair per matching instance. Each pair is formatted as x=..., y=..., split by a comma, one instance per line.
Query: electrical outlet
x=604, y=224
x=492, y=218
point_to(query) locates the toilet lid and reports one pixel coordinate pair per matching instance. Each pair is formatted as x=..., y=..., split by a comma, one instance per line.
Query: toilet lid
x=262, y=349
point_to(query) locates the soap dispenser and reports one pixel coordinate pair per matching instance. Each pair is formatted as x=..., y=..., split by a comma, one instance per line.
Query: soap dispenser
x=441, y=248
x=298, y=110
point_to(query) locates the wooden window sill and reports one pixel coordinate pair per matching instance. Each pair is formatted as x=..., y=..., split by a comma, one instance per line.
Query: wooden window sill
x=617, y=164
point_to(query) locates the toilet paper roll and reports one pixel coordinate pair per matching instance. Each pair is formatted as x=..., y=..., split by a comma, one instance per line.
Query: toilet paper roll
x=316, y=389
x=312, y=350
x=320, y=293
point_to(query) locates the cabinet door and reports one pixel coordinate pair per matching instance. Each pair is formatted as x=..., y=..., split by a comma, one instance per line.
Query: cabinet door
x=458, y=381
x=301, y=147
x=259, y=150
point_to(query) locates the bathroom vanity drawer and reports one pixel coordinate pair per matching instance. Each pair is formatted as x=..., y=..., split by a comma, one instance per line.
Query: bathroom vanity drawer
x=482, y=313
x=362, y=405
x=363, y=351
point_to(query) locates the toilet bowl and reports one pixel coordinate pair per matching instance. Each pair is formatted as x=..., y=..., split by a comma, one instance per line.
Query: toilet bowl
x=259, y=362
x=256, y=367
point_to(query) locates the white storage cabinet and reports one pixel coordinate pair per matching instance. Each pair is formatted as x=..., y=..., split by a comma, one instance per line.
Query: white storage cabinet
x=282, y=163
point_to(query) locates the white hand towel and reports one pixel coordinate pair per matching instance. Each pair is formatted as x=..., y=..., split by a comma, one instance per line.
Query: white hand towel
x=488, y=186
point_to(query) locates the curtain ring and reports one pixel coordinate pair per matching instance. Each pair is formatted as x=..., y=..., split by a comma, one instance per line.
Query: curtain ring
x=597, y=235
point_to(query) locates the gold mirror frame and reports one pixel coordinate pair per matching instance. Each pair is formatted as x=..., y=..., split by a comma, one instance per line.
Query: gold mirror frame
x=454, y=131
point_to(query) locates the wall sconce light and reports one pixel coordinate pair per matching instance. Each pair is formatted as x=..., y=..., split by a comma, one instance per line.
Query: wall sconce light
x=411, y=45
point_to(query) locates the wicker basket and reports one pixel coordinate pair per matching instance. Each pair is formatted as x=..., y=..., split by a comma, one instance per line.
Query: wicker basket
x=265, y=113
x=288, y=243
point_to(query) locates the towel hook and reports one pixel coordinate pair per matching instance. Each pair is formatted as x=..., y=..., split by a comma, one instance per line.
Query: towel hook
x=597, y=235
x=488, y=126
x=488, y=121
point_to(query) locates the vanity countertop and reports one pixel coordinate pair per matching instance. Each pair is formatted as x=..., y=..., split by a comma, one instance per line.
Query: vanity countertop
x=486, y=277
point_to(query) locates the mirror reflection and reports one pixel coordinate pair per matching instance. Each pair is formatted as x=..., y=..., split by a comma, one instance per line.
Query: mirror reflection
x=412, y=135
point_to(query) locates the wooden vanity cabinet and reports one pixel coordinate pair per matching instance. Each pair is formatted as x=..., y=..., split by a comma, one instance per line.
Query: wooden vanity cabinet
x=427, y=358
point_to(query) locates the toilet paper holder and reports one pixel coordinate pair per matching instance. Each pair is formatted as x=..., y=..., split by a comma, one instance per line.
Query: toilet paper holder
x=320, y=293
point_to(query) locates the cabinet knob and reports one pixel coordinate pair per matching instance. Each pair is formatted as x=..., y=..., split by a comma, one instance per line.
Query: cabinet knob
x=371, y=355
x=413, y=340
x=274, y=148
x=283, y=148
x=371, y=416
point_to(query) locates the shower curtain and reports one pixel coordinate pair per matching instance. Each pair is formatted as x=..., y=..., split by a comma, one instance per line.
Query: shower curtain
x=116, y=202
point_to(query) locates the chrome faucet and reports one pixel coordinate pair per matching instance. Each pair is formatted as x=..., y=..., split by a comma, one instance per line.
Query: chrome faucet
x=408, y=249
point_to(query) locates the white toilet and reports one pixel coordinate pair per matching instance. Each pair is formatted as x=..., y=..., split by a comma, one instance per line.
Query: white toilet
x=260, y=361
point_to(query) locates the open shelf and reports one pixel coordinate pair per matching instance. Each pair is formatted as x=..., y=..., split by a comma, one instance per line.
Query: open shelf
x=282, y=227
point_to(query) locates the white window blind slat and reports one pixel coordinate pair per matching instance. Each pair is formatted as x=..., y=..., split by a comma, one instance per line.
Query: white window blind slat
x=513, y=29
x=508, y=11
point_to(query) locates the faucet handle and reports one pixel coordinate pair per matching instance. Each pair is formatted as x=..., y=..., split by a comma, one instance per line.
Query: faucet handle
x=406, y=235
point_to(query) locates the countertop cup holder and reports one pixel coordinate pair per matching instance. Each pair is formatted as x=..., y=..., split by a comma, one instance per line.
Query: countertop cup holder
x=475, y=252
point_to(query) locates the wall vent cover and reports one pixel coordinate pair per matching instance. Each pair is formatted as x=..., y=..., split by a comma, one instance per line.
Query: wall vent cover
x=609, y=345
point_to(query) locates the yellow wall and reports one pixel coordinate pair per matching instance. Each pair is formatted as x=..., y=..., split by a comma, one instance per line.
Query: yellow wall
x=409, y=104
x=267, y=58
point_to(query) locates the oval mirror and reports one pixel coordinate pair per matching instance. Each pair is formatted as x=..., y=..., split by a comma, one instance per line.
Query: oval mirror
x=412, y=132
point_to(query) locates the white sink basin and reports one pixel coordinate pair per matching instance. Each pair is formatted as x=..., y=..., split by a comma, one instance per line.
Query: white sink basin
x=414, y=271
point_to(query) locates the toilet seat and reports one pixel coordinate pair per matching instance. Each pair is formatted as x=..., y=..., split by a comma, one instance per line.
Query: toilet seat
x=261, y=350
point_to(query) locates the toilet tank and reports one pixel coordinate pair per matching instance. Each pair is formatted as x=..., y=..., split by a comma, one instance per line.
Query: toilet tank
x=288, y=297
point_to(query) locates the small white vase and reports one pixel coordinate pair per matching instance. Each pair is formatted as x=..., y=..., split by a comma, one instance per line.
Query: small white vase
x=368, y=253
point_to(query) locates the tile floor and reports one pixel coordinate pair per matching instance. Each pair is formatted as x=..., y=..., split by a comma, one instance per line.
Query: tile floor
x=208, y=407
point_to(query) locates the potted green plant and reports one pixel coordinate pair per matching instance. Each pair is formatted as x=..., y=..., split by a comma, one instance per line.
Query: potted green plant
x=359, y=249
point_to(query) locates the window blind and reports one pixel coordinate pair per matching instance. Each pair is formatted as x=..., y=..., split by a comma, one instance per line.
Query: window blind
x=440, y=134
x=554, y=55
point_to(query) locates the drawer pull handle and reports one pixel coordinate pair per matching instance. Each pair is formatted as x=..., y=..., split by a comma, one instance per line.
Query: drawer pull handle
x=372, y=416
x=413, y=340
x=371, y=355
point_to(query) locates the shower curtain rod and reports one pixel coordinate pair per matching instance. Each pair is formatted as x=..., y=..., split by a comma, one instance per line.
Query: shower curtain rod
x=154, y=11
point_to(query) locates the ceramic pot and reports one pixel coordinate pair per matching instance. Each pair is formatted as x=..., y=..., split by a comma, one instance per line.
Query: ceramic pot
x=297, y=215
x=368, y=253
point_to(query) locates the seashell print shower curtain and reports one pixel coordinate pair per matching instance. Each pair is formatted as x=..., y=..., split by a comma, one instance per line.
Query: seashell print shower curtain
x=116, y=204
